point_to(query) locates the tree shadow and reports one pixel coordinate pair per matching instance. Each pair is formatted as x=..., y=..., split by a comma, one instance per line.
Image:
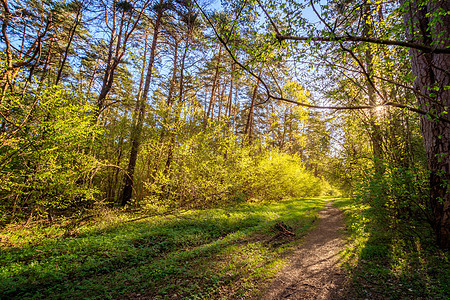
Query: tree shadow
x=392, y=263
x=178, y=253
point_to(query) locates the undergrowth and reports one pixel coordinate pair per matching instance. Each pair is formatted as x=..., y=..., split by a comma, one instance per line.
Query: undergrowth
x=391, y=264
x=198, y=254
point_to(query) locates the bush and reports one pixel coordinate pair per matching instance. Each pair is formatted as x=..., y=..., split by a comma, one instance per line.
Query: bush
x=397, y=196
x=45, y=165
x=280, y=175
x=213, y=168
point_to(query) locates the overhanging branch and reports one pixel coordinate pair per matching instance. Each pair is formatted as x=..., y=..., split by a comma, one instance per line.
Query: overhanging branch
x=348, y=38
x=423, y=48
x=270, y=96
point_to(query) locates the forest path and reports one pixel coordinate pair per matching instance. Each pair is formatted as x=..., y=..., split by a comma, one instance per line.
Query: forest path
x=313, y=270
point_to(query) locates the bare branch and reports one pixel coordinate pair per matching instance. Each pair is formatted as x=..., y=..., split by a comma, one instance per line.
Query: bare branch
x=423, y=48
x=336, y=108
x=348, y=38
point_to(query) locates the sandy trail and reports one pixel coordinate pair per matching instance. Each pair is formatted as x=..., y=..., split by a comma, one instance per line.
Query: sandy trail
x=313, y=271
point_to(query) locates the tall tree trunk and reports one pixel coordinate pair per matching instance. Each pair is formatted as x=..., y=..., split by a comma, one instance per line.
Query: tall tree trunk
x=66, y=52
x=375, y=130
x=210, y=112
x=115, y=56
x=433, y=79
x=107, y=77
x=46, y=64
x=230, y=95
x=140, y=103
x=249, y=124
x=170, y=99
x=221, y=100
x=235, y=106
x=174, y=75
x=183, y=61
x=171, y=144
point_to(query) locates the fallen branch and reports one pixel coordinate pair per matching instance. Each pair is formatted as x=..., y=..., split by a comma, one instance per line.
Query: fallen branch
x=280, y=226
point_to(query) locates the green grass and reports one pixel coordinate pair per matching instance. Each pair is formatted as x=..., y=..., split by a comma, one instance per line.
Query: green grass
x=215, y=253
x=387, y=264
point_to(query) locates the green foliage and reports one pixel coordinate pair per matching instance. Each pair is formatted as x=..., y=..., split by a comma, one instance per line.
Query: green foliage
x=391, y=264
x=397, y=196
x=279, y=175
x=193, y=162
x=212, y=168
x=44, y=157
x=194, y=254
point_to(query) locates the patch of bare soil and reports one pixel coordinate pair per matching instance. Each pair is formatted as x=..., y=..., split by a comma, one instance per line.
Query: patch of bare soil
x=313, y=271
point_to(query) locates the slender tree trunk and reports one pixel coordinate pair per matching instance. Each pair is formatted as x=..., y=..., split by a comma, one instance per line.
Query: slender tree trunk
x=205, y=108
x=221, y=100
x=210, y=112
x=174, y=76
x=235, y=106
x=171, y=144
x=170, y=100
x=230, y=95
x=249, y=124
x=375, y=131
x=92, y=78
x=141, y=81
x=141, y=102
x=115, y=56
x=46, y=64
x=183, y=61
x=432, y=79
x=66, y=52
x=107, y=77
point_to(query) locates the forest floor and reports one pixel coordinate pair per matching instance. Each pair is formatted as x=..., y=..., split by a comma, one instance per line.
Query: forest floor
x=313, y=270
x=223, y=253
x=293, y=249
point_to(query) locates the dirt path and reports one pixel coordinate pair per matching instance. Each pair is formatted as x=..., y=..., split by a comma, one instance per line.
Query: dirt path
x=313, y=271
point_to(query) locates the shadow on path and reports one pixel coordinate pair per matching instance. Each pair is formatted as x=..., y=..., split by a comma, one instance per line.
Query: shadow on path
x=313, y=272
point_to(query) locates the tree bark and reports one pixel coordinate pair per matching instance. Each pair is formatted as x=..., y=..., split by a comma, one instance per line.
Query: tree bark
x=375, y=134
x=213, y=89
x=219, y=115
x=249, y=124
x=174, y=76
x=141, y=102
x=66, y=52
x=170, y=102
x=121, y=40
x=230, y=95
x=433, y=79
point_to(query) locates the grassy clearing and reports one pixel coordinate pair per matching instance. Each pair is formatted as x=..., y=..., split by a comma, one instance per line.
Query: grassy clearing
x=392, y=265
x=215, y=253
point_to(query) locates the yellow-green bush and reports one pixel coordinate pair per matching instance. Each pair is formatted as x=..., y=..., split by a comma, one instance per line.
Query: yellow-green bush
x=44, y=166
x=212, y=167
x=279, y=175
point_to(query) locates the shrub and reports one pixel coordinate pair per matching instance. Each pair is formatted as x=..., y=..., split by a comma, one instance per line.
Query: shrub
x=397, y=196
x=209, y=171
x=44, y=164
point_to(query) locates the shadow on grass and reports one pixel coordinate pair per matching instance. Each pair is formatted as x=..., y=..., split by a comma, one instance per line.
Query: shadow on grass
x=391, y=264
x=195, y=253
